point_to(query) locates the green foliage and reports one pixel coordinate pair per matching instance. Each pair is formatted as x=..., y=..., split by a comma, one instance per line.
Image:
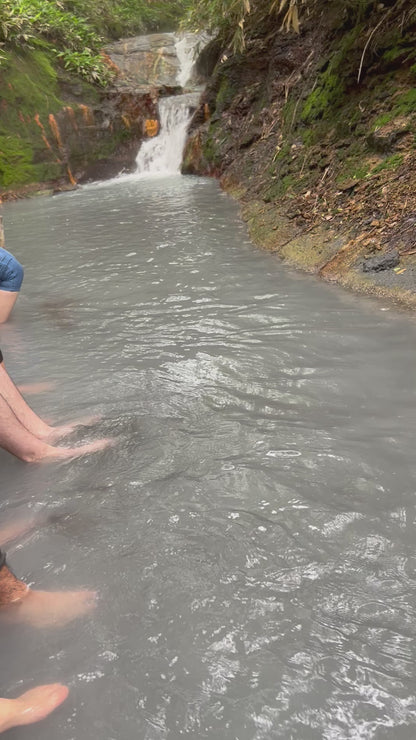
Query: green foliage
x=75, y=30
x=234, y=20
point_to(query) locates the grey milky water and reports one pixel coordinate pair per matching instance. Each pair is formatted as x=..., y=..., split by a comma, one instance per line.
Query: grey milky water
x=252, y=536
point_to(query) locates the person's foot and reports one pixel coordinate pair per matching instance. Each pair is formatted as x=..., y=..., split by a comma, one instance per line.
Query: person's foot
x=48, y=453
x=55, y=433
x=49, y=608
x=32, y=706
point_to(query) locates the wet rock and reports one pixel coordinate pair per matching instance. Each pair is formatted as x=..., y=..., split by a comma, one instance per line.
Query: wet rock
x=102, y=139
x=146, y=60
x=382, y=262
x=208, y=58
x=154, y=60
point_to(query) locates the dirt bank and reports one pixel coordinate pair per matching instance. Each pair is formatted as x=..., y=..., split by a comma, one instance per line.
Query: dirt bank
x=315, y=134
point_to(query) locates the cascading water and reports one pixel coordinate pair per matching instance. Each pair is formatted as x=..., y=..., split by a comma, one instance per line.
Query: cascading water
x=186, y=46
x=162, y=155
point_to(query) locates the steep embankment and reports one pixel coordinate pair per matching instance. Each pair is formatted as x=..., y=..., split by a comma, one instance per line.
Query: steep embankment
x=316, y=135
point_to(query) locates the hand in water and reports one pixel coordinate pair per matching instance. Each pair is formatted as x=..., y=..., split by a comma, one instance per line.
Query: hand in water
x=32, y=706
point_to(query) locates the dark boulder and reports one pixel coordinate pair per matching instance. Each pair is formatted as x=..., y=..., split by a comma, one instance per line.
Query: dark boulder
x=382, y=262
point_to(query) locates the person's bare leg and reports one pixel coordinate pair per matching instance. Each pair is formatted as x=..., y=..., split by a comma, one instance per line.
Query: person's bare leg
x=18, y=528
x=32, y=388
x=19, y=603
x=22, y=524
x=7, y=301
x=17, y=440
x=31, y=421
x=32, y=706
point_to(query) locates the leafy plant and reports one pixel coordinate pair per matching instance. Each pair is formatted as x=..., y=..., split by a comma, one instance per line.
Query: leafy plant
x=76, y=30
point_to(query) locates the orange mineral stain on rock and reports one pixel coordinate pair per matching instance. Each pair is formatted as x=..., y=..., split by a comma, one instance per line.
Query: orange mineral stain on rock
x=87, y=114
x=151, y=127
x=110, y=64
x=71, y=178
x=55, y=130
x=40, y=124
x=71, y=115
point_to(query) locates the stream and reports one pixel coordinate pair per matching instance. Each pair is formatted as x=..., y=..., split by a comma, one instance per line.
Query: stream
x=252, y=535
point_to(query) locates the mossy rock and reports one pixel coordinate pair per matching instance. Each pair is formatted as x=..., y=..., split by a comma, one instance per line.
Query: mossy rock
x=15, y=161
x=327, y=95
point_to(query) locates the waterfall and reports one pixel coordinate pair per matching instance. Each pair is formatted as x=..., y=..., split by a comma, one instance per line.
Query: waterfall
x=186, y=46
x=163, y=153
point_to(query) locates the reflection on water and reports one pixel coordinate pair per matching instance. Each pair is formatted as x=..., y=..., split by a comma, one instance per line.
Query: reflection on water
x=252, y=535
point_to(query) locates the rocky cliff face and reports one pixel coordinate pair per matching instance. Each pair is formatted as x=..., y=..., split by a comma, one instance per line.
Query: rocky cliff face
x=315, y=133
x=146, y=60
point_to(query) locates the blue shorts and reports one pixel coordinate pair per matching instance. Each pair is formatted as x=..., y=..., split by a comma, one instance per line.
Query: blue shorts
x=11, y=272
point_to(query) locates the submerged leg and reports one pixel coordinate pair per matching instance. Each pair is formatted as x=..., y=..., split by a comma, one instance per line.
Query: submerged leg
x=19, y=603
x=32, y=706
x=27, y=417
x=18, y=528
x=20, y=408
x=15, y=438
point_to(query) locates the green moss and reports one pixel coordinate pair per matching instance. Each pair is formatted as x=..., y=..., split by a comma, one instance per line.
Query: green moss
x=406, y=103
x=327, y=94
x=310, y=136
x=390, y=163
x=31, y=83
x=352, y=169
x=29, y=93
x=290, y=114
x=212, y=144
x=329, y=91
x=15, y=161
x=282, y=186
x=382, y=120
x=225, y=94
x=397, y=52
